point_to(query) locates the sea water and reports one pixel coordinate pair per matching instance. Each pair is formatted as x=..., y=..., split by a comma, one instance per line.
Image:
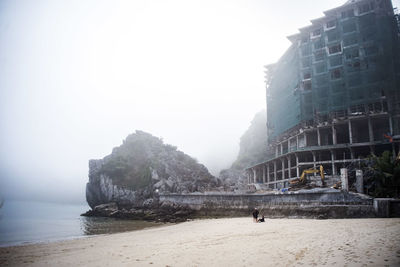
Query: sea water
x=24, y=222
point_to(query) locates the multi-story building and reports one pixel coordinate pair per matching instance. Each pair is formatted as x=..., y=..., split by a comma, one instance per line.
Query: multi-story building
x=334, y=96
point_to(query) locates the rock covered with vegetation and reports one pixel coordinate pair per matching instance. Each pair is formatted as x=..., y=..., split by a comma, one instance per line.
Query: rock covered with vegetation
x=135, y=173
x=253, y=147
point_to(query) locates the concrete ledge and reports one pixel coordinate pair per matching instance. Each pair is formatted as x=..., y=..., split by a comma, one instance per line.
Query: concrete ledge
x=387, y=207
x=309, y=197
x=324, y=203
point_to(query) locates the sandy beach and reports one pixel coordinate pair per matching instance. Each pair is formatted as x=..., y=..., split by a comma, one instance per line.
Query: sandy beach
x=226, y=242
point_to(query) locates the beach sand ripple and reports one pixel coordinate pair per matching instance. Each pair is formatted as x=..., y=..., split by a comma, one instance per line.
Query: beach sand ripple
x=227, y=242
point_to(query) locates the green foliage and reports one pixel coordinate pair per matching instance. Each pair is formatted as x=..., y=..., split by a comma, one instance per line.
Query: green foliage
x=126, y=173
x=116, y=166
x=384, y=178
x=140, y=179
x=131, y=164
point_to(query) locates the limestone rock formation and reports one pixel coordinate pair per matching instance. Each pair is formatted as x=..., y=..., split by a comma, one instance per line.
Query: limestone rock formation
x=165, y=212
x=141, y=168
x=253, y=147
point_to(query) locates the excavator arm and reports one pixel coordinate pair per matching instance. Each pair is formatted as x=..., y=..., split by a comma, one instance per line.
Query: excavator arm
x=309, y=171
x=319, y=170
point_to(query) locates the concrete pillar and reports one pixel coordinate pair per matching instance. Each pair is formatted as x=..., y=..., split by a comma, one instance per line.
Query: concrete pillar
x=297, y=166
x=319, y=137
x=248, y=177
x=289, y=167
x=351, y=153
x=255, y=175
x=391, y=125
x=297, y=142
x=305, y=139
x=350, y=132
x=359, y=181
x=268, y=178
x=275, y=170
x=370, y=130
x=333, y=162
x=263, y=168
x=281, y=148
x=334, y=139
x=345, y=179
x=314, y=158
x=283, y=168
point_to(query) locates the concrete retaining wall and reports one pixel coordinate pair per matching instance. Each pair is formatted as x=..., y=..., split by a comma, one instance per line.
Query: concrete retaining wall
x=387, y=207
x=324, y=203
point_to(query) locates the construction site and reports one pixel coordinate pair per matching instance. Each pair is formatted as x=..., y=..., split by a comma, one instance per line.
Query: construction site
x=333, y=98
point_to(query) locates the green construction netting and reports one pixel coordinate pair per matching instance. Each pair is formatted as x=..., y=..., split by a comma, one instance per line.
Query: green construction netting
x=313, y=78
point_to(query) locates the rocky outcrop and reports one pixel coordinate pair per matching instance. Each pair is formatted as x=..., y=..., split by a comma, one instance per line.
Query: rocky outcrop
x=135, y=173
x=164, y=212
x=234, y=179
x=101, y=190
x=253, y=144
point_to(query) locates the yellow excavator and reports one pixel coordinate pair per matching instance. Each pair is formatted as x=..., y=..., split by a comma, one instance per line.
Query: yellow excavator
x=302, y=179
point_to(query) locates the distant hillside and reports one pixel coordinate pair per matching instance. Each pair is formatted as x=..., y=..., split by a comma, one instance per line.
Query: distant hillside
x=253, y=143
x=253, y=146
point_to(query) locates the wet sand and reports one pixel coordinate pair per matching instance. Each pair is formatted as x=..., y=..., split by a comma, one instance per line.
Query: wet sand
x=227, y=242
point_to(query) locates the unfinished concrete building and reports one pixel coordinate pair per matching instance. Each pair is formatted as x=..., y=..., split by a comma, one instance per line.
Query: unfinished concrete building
x=334, y=96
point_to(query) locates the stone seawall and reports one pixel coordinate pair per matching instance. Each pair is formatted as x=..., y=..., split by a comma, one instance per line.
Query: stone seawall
x=327, y=203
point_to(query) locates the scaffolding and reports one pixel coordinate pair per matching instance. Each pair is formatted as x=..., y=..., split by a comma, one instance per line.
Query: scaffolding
x=344, y=63
x=335, y=91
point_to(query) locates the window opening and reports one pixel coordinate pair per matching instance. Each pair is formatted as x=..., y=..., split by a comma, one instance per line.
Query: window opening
x=335, y=49
x=316, y=33
x=336, y=74
x=331, y=24
x=348, y=13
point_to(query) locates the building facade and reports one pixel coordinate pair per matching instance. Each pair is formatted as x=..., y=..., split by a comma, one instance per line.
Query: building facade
x=334, y=96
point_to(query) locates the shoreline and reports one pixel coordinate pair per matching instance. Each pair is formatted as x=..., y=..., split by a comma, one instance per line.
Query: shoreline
x=78, y=237
x=229, y=241
x=39, y=242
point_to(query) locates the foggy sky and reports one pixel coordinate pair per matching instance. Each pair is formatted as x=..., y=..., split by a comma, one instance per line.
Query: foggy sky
x=76, y=77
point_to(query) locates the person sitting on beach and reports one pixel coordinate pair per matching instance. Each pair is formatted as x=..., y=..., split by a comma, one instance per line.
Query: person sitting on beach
x=262, y=219
x=255, y=215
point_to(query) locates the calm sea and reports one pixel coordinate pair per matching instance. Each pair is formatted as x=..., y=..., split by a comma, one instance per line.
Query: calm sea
x=24, y=222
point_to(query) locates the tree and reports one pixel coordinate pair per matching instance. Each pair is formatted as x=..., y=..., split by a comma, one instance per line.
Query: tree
x=383, y=179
